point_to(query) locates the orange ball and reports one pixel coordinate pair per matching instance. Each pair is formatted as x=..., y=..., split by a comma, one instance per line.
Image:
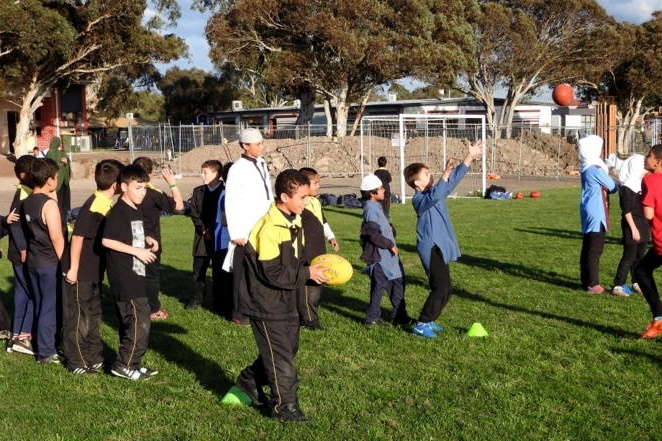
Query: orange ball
x=563, y=95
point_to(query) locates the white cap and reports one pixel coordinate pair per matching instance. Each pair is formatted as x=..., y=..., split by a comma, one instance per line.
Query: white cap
x=250, y=136
x=370, y=182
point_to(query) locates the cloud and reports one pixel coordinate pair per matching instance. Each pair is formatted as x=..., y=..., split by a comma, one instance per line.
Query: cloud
x=633, y=11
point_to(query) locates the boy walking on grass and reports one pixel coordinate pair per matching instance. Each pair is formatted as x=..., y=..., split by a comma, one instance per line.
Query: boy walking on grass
x=275, y=274
x=81, y=297
x=129, y=252
x=435, y=239
x=651, y=199
x=44, y=230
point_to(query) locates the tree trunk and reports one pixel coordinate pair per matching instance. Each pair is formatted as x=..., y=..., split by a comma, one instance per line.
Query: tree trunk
x=329, y=118
x=360, y=112
x=31, y=101
x=306, y=95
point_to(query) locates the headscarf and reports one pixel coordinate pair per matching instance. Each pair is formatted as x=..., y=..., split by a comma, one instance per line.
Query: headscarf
x=55, y=142
x=590, y=151
x=631, y=172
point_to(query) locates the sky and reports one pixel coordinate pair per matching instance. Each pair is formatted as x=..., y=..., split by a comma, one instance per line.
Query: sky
x=191, y=27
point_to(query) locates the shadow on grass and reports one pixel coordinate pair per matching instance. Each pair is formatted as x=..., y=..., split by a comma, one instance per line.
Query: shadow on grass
x=520, y=270
x=546, y=315
x=565, y=234
x=208, y=373
x=163, y=340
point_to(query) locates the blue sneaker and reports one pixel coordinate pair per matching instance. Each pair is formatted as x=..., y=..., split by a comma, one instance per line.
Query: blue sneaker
x=422, y=330
x=435, y=327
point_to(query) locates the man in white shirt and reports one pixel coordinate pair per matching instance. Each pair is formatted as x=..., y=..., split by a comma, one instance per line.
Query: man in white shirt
x=248, y=195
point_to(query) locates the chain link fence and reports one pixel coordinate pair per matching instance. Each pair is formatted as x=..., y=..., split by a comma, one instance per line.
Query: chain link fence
x=531, y=154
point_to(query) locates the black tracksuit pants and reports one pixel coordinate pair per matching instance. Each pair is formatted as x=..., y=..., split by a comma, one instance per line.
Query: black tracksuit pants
x=277, y=344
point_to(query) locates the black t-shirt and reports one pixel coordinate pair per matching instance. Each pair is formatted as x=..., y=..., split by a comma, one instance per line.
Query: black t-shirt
x=89, y=225
x=41, y=253
x=155, y=203
x=630, y=202
x=17, y=240
x=126, y=273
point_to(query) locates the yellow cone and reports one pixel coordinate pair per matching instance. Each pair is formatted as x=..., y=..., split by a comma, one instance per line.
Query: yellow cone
x=476, y=330
x=236, y=396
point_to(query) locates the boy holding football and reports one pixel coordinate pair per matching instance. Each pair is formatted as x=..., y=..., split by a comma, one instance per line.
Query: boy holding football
x=274, y=273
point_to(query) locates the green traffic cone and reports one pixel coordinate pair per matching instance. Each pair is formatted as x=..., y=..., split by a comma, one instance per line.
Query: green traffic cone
x=236, y=396
x=476, y=330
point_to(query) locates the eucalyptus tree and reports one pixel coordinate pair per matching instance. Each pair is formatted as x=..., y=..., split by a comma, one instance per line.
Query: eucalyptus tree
x=523, y=45
x=340, y=50
x=44, y=44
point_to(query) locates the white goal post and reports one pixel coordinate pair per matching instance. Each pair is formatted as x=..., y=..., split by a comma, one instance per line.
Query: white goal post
x=427, y=138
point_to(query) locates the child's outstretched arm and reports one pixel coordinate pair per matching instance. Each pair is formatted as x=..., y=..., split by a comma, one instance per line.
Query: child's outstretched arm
x=450, y=165
x=475, y=150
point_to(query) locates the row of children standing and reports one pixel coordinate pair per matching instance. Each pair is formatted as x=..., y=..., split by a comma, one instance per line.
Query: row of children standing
x=40, y=256
x=640, y=198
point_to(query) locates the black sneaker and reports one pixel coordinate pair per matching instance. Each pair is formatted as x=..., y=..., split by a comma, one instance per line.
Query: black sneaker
x=316, y=326
x=289, y=413
x=129, y=374
x=144, y=370
x=51, y=359
x=97, y=367
x=82, y=370
x=375, y=324
x=256, y=394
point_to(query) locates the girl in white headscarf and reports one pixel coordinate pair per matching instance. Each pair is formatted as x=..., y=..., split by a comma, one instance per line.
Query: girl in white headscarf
x=635, y=228
x=593, y=210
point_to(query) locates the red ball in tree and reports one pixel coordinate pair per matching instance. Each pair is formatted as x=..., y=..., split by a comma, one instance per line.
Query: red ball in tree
x=563, y=95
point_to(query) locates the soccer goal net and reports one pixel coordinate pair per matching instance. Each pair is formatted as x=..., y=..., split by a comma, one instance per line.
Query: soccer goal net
x=430, y=139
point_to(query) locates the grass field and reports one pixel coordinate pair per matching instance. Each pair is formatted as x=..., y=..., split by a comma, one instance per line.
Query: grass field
x=558, y=364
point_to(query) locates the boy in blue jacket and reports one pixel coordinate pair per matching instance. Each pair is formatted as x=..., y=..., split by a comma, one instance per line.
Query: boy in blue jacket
x=380, y=252
x=435, y=239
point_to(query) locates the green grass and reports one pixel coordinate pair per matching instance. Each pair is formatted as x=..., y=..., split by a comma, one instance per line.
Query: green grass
x=558, y=364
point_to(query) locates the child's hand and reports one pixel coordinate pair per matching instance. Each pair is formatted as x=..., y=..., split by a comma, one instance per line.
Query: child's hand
x=12, y=217
x=317, y=273
x=71, y=277
x=334, y=244
x=152, y=244
x=168, y=176
x=394, y=250
x=145, y=255
x=476, y=149
x=450, y=165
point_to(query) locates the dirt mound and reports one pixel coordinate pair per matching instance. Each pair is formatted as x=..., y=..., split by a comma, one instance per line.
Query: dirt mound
x=530, y=155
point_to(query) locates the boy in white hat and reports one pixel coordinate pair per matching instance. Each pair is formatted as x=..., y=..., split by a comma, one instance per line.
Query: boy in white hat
x=248, y=195
x=380, y=252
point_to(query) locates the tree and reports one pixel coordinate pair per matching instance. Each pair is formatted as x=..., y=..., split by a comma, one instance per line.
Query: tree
x=525, y=44
x=633, y=81
x=190, y=93
x=342, y=49
x=59, y=42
